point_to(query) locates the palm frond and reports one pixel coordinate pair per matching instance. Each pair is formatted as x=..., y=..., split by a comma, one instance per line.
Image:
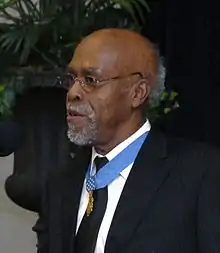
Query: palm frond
x=46, y=29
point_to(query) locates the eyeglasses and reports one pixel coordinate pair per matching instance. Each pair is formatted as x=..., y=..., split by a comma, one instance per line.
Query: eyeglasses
x=88, y=83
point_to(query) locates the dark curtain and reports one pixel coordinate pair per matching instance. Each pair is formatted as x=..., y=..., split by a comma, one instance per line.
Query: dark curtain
x=188, y=34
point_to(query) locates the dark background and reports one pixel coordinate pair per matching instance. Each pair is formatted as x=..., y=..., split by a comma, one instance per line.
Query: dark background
x=188, y=33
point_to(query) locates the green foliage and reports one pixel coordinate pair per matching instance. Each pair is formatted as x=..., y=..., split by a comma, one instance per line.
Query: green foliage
x=167, y=102
x=46, y=33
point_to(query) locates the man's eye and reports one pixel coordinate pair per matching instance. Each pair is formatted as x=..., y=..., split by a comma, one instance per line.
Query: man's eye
x=67, y=80
x=70, y=79
x=90, y=80
x=71, y=76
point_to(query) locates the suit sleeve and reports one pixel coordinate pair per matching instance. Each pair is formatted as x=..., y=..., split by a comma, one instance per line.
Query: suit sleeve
x=42, y=225
x=208, y=226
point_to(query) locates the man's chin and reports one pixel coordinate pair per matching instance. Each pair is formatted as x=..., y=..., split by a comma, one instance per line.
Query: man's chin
x=78, y=138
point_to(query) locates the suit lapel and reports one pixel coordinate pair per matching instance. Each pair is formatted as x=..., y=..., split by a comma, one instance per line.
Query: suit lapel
x=71, y=193
x=148, y=173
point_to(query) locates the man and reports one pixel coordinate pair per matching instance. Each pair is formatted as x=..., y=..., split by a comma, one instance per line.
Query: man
x=128, y=188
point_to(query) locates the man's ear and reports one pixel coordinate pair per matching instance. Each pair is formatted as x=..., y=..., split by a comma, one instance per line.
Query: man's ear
x=140, y=93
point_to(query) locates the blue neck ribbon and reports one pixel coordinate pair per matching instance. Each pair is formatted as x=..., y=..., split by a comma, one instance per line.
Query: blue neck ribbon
x=113, y=168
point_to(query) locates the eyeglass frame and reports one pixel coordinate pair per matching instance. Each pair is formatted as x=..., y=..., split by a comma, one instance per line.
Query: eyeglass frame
x=96, y=82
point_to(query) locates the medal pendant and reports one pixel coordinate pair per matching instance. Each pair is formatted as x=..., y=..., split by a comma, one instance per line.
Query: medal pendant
x=89, y=208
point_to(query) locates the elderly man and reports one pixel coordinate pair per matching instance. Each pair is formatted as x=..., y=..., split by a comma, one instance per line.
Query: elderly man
x=128, y=188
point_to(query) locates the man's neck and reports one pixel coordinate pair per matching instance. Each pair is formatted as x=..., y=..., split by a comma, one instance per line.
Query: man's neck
x=120, y=135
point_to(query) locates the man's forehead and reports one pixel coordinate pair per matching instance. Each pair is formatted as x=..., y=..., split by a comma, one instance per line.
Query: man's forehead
x=94, y=58
x=116, y=51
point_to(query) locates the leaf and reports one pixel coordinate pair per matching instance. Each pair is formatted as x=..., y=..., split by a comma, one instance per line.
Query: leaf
x=129, y=8
x=18, y=44
x=2, y=88
x=7, y=43
x=173, y=95
x=29, y=42
x=139, y=11
x=167, y=110
x=163, y=96
x=32, y=9
x=144, y=4
x=6, y=3
x=22, y=13
x=8, y=17
x=176, y=105
x=11, y=39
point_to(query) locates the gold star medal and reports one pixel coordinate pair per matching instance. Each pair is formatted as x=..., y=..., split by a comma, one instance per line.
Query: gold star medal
x=90, y=205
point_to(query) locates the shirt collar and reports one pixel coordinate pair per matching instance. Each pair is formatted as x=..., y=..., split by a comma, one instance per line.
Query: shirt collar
x=115, y=151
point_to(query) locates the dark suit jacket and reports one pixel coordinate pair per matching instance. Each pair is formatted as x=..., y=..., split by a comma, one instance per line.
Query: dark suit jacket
x=170, y=203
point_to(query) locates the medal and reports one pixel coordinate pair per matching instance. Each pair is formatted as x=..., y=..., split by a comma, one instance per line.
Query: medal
x=90, y=187
x=90, y=205
x=98, y=179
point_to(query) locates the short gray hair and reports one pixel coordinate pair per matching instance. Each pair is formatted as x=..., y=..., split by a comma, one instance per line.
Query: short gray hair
x=160, y=83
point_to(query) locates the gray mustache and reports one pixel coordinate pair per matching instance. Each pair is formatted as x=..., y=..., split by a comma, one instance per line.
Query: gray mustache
x=81, y=109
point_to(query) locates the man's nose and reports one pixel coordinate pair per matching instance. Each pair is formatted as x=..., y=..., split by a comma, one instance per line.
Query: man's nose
x=75, y=93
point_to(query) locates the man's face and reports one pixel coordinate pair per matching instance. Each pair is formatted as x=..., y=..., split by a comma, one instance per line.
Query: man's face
x=95, y=108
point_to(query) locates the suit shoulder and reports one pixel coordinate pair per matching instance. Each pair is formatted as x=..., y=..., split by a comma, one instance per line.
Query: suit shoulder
x=195, y=153
x=74, y=159
x=197, y=148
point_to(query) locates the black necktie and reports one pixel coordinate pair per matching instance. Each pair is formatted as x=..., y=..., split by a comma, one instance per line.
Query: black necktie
x=86, y=236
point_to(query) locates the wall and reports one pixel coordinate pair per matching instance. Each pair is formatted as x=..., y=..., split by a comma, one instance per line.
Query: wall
x=16, y=235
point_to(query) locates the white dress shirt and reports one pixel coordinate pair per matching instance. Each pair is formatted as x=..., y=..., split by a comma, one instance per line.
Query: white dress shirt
x=114, y=190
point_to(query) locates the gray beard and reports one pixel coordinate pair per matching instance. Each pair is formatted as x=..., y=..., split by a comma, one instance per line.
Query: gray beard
x=87, y=135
